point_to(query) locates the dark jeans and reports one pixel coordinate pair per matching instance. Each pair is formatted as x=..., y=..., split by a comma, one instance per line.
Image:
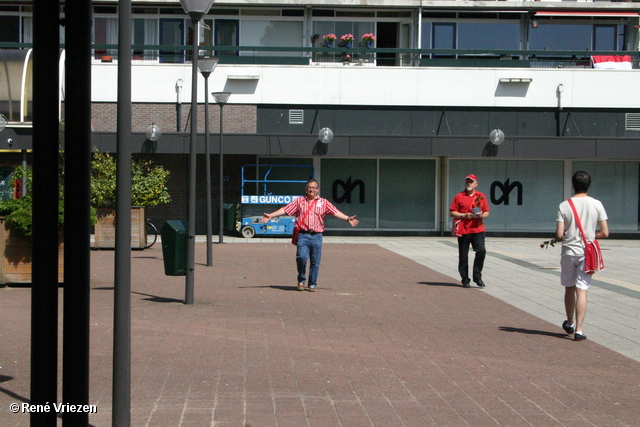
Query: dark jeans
x=476, y=240
x=309, y=248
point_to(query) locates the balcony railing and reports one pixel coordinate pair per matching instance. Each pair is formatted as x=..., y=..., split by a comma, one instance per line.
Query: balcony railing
x=355, y=56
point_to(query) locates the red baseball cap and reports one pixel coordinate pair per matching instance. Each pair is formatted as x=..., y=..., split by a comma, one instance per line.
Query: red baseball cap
x=472, y=176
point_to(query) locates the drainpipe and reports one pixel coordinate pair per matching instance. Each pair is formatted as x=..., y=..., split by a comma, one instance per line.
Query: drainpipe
x=179, y=83
x=559, y=92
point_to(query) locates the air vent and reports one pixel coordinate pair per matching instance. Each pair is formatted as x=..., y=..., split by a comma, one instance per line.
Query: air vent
x=296, y=117
x=632, y=121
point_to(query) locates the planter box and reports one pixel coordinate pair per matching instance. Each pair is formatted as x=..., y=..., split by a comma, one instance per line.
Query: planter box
x=16, y=256
x=105, y=228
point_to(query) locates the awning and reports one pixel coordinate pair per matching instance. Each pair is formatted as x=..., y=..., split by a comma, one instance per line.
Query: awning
x=598, y=14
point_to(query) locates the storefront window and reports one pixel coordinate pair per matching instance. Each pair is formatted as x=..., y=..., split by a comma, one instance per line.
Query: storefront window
x=615, y=184
x=523, y=195
x=407, y=194
x=350, y=184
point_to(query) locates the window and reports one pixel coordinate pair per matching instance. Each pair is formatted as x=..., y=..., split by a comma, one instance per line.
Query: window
x=9, y=29
x=560, y=35
x=272, y=34
x=339, y=28
x=145, y=32
x=105, y=32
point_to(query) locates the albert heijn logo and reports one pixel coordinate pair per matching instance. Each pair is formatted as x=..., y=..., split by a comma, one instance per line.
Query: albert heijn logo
x=347, y=189
x=506, y=190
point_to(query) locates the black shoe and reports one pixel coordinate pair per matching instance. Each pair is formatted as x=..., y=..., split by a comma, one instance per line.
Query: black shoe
x=579, y=337
x=480, y=283
x=568, y=329
x=466, y=285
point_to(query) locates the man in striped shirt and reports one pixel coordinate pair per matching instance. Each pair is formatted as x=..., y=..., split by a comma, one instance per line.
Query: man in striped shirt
x=310, y=211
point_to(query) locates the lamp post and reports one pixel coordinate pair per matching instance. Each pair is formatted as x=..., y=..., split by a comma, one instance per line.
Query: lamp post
x=196, y=10
x=206, y=67
x=221, y=98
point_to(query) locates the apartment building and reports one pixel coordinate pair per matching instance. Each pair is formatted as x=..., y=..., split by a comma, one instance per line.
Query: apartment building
x=412, y=110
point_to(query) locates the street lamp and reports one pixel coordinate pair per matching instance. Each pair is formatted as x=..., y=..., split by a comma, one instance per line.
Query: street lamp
x=196, y=10
x=206, y=67
x=221, y=98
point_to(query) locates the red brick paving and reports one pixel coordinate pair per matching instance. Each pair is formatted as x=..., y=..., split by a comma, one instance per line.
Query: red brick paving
x=384, y=342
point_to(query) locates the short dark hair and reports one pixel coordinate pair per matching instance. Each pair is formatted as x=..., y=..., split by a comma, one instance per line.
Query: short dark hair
x=581, y=181
x=313, y=180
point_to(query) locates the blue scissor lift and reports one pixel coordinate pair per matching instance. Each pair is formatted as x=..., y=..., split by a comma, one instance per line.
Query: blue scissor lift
x=253, y=206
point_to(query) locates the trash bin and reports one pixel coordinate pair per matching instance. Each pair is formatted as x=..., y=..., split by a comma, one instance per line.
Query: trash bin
x=229, y=216
x=174, y=247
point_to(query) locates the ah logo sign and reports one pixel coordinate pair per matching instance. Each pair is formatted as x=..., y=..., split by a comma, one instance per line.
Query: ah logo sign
x=347, y=189
x=506, y=190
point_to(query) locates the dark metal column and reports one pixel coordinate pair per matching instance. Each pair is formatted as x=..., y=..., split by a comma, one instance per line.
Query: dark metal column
x=44, y=287
x=191, y=214
x=77, y=222
x=121, y=405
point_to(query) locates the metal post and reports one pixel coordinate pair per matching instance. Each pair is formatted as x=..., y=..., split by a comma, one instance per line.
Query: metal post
x=191, y=214
x=221, y=209
x=208, y=166
x=121, y=391
x=77, y=221
x=44, y=287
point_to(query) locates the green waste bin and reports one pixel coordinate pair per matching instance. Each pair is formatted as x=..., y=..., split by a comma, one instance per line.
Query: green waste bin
x=174, y=247
x=229, y=216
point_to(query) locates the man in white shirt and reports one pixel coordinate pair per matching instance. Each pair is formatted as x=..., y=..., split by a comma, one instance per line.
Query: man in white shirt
x=573, y=276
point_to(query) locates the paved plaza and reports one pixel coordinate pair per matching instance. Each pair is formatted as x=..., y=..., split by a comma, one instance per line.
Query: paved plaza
x=390, y=339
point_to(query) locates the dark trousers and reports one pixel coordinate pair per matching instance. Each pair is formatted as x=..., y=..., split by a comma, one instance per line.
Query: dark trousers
x=476, y=240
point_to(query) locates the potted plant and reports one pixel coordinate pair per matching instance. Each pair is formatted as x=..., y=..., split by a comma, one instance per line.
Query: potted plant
x=148, y=189
x=368, y=39
x=329, y=39
x=347, y=40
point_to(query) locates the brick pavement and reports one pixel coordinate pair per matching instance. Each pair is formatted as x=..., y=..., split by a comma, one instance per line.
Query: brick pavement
x=384, y=342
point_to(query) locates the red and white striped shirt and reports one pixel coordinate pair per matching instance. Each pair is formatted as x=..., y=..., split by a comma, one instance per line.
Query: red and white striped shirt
x=317, y=209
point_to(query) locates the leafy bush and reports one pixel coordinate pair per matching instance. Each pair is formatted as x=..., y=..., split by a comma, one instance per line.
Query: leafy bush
x=148, y=182
x=18, y=212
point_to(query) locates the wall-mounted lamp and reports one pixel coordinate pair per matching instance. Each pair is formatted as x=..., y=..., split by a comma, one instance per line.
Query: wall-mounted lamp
x=153, y=132
x=534, y=23
x=325, y=135
x=496, y=136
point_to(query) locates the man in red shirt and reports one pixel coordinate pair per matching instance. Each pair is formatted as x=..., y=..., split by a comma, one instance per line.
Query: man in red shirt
x=470, y=207
x=310, y=211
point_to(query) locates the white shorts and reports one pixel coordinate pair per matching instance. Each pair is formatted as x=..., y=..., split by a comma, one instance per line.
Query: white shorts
x=572, y=272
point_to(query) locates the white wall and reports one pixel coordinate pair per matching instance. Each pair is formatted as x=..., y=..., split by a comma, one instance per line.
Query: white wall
x=397, y=86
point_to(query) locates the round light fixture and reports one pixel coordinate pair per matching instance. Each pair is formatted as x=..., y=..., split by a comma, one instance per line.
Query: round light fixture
x=153, y=132
x=325, y=135
x=496, y=136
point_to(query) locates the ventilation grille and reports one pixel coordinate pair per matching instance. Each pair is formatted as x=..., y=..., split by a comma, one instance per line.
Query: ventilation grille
x=632, y=121
x=296, y=117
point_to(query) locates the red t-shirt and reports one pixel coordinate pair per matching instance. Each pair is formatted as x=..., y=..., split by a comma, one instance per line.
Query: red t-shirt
x=464, y=203
x=314, y=219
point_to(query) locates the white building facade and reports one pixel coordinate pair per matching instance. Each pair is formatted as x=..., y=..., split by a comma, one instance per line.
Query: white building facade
x=411, y=113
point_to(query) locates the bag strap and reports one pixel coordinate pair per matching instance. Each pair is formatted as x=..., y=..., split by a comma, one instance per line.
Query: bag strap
x=578, y=223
